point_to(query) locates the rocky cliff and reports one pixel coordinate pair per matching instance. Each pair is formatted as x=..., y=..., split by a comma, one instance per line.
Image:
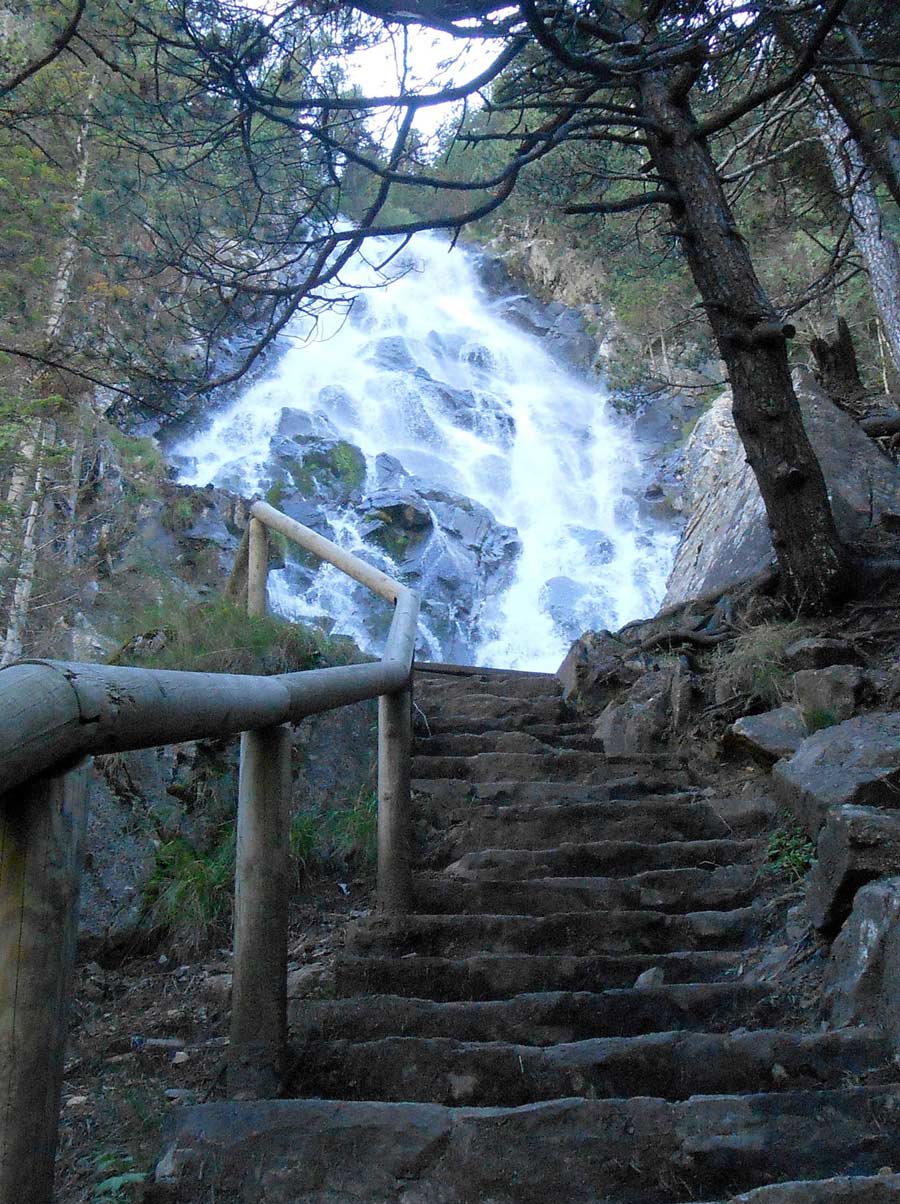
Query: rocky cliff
x=727, y=537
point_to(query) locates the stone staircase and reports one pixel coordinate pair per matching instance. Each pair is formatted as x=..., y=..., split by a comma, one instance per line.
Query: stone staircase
x=563, y=1018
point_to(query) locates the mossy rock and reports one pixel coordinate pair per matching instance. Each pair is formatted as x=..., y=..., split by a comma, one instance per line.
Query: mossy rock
x=322, y=468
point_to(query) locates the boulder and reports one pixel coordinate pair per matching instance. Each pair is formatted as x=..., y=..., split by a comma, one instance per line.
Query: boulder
x=338, y=404
x=818, y=652
x=727, y=537
x=397, y=520
x=412, y=417
x=855, y=762
x=828, y=696
x=767, y=737
x=637, y=724
x=594, y=668
x=292, y=423
x=862, y=981
x=482, y=413
x=320, y=469
x=599, y=549
x=391, y=352
x=856, y=845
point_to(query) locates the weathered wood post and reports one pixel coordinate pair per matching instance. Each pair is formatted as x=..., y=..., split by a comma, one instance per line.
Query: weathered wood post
x=42, y=836
x=257, y=568
x=394, y=819
x=259, y=990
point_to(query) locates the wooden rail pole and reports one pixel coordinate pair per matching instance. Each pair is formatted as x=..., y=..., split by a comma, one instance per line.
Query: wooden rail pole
x=394, y=819
x=42, y=837
x=259, y=991
x=257, y=568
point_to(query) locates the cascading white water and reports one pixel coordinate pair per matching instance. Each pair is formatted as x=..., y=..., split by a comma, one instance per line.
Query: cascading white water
x=429, y=370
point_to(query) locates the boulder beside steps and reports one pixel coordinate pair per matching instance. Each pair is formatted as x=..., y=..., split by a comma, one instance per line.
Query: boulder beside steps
x=564, y=1017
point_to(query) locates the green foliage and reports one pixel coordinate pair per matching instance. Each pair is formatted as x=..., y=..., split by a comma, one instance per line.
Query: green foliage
x=306, y=837
x=354, y=831
x=118, y=1182
x=790, y=852
x=219, y=636
x=189, y=895
x=819, y=718
x=345, y=834
x=189, y=898
x=140, y=455
x=275, y=494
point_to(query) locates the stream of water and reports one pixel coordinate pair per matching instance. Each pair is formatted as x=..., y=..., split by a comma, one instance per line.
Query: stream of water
x=432, y=370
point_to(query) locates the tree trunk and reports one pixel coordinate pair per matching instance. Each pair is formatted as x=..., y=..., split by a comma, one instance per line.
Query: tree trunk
x=813, y=563
x=883, y=160
x=878, y=249
x=837, y=369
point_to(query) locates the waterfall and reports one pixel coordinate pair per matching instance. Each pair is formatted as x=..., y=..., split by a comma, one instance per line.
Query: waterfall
x=428, y=431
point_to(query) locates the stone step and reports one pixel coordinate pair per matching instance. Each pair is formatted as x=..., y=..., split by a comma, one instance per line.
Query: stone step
x=602, y=858
x=576, y=933
x=459, y=686
x=501, y=975
x=470, y=744
x=540, y=826
x=672, y=1065
x=456, y=793
x=480, y=709
x=542, y=1018
x=721, y=889
x=559, y=765
x=857, y=1189
x=637, y=1151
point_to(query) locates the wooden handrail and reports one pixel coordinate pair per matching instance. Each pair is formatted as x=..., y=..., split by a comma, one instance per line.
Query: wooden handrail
x=55, y=713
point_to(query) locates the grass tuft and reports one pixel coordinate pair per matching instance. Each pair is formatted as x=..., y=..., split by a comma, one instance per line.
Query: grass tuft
x=220, y=637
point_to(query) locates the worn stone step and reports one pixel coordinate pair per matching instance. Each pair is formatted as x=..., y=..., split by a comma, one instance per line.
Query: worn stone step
x=480, y=709
x=460, y=686
x=603, y=858
x=540, y=1018
x=720, y=889
x=451, y=794
x=573, y=932
x=637, y=1151
x=558, y=765
x=539, y=826
x=672, y=1066
x=470, y=744
x=857, y=1189
x=501, y=975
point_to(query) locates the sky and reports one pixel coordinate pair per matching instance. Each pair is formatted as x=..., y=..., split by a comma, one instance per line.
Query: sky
x=432, y=60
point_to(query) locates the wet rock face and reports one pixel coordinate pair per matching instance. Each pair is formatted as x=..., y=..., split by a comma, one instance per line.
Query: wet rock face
x=441, y=543
x=727, y=537
x=330, y=469
x=449, y=548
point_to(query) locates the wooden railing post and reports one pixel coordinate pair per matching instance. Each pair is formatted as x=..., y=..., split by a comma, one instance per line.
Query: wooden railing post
x=394, y=818
x=257, y=568
x=42, y=836
x=258, y=1042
